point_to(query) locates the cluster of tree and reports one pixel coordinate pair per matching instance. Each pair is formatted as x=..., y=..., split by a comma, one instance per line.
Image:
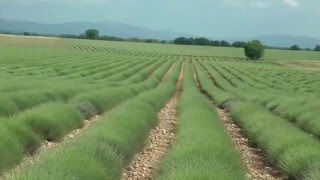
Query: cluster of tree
x=238, y=44
x=206, y=42
x=89, y=34
x=92, y=34
x=255, y=49
x=30, y=34
x=295, y=48
x=298, y=48
x=155, y=41
x=95, y=34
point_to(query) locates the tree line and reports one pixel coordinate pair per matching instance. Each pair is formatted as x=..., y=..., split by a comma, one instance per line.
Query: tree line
x=201, y=41
x=297, y=48
x=94, y=34
x=253, y=50
x=206, y=42
x=239, y=44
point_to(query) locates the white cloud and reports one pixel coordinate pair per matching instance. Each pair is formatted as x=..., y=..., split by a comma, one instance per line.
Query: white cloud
x=291, y=3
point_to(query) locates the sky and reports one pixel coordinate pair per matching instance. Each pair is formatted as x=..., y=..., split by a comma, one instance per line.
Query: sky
x=209, y=18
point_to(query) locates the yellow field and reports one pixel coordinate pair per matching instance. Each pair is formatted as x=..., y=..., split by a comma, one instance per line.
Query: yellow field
x=13, y=40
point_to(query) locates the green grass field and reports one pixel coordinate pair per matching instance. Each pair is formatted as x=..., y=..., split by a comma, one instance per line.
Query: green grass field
x=50, y=87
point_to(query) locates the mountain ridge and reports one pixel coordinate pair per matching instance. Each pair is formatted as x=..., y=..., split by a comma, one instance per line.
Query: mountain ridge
x=123, y=30
x=109, y=28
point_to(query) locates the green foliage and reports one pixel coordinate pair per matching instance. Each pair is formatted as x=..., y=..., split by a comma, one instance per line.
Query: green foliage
x=92, y=34
x=52, y=121
x=11, y=150
x=254, y=50
x=317, y=48
x=184, y=41
x=290, y=121
x=109, y=145
x=219, y=95
x=24, y=135
x=27, y=34
x=293, y=151
x=201, y=41
x=225, y=44
x=16, y=140
x=23, y=100
x=7, y=106
x=104, y=99
x=239, y=44
x=202, y=149
x=215, y=43
x=295, y=48
x=152, y=41
x=97, y=76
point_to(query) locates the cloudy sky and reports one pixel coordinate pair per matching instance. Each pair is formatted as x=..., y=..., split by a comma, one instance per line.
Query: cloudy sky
x=211, y=18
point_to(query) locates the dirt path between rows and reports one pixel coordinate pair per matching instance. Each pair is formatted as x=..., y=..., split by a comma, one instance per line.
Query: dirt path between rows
x=155, y=71
x=166, y=76
x=254, y=159
x=160, y=139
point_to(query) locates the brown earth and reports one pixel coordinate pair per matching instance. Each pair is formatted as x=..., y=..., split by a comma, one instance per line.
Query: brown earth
x=32, y=41
x=254, y=159
x=160, y=139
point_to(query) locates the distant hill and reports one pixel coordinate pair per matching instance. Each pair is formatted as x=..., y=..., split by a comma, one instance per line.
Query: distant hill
x=122, y=30
x=106, y=28
x=288, y=41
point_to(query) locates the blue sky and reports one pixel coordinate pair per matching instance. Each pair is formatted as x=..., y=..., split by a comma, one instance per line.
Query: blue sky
x=211, y=18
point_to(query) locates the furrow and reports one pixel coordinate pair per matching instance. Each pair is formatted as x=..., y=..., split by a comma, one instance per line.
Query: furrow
x=253, y=158
x=159, y=141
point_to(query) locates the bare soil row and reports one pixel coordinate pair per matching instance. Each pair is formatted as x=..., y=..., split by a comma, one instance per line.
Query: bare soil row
x=159, y=141
x=254, y=159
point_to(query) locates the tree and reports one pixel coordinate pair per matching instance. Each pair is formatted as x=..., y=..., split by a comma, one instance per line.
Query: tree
x=111, y=38
x=179, y=40
x=295, y=48
x=184, y=41
x=225, y=44
x=92, y=34
x=201, y=41
x=317, y=48
x=239, y=44
x=215, y=43
x=148, y=41
x=27, y=34
x=254, y=50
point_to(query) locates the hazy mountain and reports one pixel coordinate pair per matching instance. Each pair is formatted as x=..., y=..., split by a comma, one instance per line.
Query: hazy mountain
x=289, y=40
x=106, y=28
x=128, y=31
